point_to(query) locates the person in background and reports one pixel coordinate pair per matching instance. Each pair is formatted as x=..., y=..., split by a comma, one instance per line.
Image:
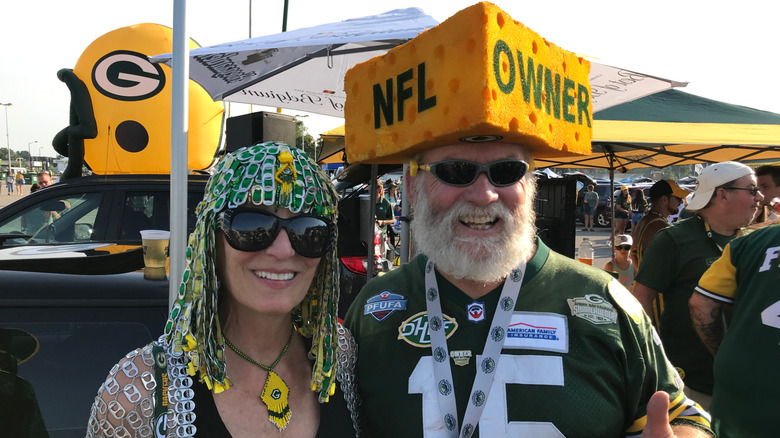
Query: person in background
x=622, y=210
x=726, y=199
x=253, y=347
x=44, y=179
x=9, y=183
x=19, y=183
x=665, y=199
x=385, y=216
x=768, y=179
x=589, y=204
x=487, y=331
x=621, y=262
x=745, y=281
x=392, y=192
x=638, y=207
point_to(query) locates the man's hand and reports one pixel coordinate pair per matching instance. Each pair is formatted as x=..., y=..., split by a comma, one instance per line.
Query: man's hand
x=658, y=421
x=658, y=417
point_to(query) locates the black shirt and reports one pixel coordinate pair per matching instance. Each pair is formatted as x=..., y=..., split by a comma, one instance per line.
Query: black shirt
x=335, y=421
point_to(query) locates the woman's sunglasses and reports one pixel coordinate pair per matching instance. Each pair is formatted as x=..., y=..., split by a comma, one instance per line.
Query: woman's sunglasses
x=461, y=173
x=624, y=247
x=253, y=230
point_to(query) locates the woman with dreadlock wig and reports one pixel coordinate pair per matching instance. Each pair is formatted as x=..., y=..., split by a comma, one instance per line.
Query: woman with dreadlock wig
x=252, y=346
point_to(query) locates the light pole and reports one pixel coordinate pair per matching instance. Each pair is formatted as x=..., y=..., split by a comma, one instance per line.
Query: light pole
x=7, y=136
x=29, y=154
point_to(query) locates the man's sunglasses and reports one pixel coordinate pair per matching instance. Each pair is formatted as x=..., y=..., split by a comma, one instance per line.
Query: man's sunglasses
x=624, y=247
x=461, y=173
x=752, y=190
x=253, y=230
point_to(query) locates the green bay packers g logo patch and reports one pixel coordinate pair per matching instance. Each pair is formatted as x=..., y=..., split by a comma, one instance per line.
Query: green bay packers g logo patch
x=416, y=330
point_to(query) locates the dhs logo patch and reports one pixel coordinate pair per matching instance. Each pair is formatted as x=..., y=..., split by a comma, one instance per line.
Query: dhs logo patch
x=476, y=311
x=383, y=305
x=416, y=330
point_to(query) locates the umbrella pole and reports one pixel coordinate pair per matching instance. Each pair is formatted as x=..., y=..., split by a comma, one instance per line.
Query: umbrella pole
x=180, y=74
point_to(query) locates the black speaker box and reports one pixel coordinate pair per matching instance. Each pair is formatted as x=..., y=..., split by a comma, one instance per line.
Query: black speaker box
x=555, y=203
x=253, y=128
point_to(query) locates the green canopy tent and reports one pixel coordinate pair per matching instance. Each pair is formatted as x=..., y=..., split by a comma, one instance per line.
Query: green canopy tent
x=673, y=127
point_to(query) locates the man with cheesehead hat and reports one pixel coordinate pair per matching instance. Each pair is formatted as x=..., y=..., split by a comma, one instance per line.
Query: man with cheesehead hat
x=726, y=199
x=487, y=332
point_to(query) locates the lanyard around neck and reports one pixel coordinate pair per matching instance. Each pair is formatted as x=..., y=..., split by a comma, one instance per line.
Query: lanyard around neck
x=709, y=231
x=486, y=368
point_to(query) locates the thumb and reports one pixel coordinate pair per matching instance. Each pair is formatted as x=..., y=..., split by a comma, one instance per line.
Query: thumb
x=658, y=417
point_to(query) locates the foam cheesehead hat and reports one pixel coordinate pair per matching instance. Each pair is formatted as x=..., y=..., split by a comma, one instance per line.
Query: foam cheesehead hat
x=478, y=76
x=711, y=178
x=667, y=187
x=271, y=174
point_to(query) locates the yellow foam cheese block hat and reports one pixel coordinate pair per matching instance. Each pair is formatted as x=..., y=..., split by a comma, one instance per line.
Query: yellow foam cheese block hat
x=478, y=76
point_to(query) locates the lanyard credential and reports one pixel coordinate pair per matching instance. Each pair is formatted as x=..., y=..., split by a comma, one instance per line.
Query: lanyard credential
x=485, y=368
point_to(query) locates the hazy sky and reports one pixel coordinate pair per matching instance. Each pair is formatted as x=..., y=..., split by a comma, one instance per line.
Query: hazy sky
x=727, y=53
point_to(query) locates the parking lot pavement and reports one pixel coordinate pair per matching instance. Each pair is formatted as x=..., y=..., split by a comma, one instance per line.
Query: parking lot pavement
x=5, y=199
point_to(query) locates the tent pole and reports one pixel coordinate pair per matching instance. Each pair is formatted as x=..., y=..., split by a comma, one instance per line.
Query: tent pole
x=372, y=222
x=180, y=77
x=611, y=159
x=405, y=210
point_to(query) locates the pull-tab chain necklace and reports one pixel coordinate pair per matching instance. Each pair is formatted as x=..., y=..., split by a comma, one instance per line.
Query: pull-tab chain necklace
x=275, y=391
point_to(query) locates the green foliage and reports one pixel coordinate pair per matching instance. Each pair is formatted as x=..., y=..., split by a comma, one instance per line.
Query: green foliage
x=304, y=140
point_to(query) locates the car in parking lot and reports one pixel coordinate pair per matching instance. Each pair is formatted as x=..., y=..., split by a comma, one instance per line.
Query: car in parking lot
x=95, y=208
x=82, y=324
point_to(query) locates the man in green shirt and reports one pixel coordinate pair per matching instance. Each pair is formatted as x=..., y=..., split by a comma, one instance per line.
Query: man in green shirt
x=384, y=209
x=487, y=332
x=745, y=278
x=726, y=198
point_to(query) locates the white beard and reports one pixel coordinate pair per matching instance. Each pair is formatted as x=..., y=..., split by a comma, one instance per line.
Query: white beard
x=466, y=257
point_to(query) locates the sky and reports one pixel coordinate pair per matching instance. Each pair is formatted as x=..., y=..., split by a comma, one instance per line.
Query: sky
x=726, y=51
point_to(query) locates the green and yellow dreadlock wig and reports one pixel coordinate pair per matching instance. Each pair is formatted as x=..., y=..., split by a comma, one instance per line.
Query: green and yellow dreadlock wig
x=272, y=174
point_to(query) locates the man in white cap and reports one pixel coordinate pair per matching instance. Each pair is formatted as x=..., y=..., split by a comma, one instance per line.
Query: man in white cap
x=488, y=332
x=726, y=199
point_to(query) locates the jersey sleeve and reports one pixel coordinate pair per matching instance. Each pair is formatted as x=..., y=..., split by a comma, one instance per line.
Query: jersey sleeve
x=719, y=282
x=657, y=374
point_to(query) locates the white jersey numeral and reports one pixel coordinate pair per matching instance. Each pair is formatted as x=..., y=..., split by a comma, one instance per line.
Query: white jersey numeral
x=528, y=370
x=771, y=315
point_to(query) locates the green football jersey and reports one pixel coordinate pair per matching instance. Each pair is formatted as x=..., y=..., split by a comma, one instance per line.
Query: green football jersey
x=747, y=276
x=672, y=265
x=580, y=356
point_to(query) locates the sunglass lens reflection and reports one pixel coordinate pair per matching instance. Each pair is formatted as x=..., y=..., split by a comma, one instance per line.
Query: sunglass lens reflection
x=506, y=172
